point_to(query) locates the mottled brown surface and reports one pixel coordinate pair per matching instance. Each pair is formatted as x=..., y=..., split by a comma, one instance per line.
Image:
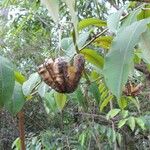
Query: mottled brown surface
x=60, y=75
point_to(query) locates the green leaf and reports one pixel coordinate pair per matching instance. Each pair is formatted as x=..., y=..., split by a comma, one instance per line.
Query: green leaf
x=113, y=20
x=60, y=99
x=80, y=97
x=103, y=41
x=16, y=103
x=91, y=22
x=16, y=145
x=30, y=84
x=124, y=113
x=121, y=56
x=112, y=113
x=19, y=77
x=119, y=138
x=123, y=102
x=7, y=81
x=74, y=18
x=42, y=89
x=131, y=123
x=49, y=102
x=145, y=45
x=106, y=102
x=145, y=13
x=93, y=88
x=93, y=57
x=140, y=122
x=122, y=123
x=132, y=17
x=135, y=102
x=53, y=8
x=66, y=42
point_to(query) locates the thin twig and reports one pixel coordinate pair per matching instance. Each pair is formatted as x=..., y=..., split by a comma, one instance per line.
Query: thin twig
x=94, y=38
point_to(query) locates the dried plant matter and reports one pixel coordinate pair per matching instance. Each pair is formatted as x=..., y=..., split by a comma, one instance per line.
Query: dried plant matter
x=60, y=75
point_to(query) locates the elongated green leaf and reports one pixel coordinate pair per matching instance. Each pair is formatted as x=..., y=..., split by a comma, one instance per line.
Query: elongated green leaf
x=122, y=123
x=112, y=113
x=140, y=122
x=53, y=8
x=29, y=85
x=119, y=60
x=91, y=21
x=80, y=97
x=74, y=18
x=113, y=20
x=17, y=101
x=42, y=89
x=49, y=102
x=95, y=92
x=145, y=45
x=103, y=41
x=132, y=17
x=60, y=99
x=131, y=123
x=19, y=77
x=93, y=57
x=105, y=102
x=7, y=81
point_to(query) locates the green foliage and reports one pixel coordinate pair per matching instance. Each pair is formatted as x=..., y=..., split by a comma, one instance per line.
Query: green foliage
x=93, y=57
x=121, y=56
x=7, y=81
x=145, y=45
x=103, y=41
x=89, y=118
x=30, y=84
x=91, y=22
x=60, y=99
x=17, y=101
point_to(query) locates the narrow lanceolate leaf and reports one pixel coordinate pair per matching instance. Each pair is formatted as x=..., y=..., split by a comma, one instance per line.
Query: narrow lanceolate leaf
x=118, y=61
x=106, y=102
x=113, y=20
x=60, y=99
x=7, y=81
x=93, y=89
x=71, y=6
x=145, y=45
x=91, y=22
x=53, y=8
x=17, y=101
x=93, y=57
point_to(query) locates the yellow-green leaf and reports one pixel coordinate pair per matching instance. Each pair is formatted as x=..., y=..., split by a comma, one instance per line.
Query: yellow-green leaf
x=60, y=99
x=93, y=57
x=91, y=21
x=103, y=41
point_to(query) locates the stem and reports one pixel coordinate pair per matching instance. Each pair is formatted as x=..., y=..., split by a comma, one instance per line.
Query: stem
x=21, y=129
x=113, y=126
x=99, y=34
